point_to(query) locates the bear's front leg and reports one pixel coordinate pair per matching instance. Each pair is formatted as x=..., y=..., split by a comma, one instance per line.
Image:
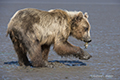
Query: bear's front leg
x=67, y=49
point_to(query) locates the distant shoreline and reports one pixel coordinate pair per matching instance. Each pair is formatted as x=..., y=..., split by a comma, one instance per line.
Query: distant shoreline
x=63, y=1
x=57, y=3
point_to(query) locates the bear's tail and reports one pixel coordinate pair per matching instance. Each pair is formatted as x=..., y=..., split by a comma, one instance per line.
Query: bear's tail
x=8, y=30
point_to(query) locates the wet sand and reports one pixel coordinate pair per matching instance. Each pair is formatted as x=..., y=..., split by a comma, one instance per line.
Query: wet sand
x=105, y=46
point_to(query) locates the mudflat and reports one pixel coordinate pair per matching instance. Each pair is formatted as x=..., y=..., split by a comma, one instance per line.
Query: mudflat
x=105, y=45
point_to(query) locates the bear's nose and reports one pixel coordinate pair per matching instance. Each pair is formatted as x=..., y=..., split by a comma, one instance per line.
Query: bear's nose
x=89, y=41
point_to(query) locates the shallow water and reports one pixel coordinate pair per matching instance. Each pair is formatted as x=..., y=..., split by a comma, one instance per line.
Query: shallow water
x=105, y=45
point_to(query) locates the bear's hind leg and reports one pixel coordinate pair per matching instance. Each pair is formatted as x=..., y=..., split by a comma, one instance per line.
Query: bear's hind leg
x=22, y=54
x=20, y=50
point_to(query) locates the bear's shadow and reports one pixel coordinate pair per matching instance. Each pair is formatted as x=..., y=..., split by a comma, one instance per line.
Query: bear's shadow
x=70, y=63
x=65, y=62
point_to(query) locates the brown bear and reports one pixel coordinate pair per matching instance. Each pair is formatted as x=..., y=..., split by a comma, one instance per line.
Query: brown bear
x=33, y=31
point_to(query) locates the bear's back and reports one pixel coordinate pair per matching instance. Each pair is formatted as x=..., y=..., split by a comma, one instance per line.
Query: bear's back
x=41, y=25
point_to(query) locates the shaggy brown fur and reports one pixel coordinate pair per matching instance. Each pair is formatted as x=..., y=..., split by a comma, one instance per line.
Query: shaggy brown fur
x=33, y=31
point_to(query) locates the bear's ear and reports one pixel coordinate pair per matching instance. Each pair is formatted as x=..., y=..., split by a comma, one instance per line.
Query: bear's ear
x=86, y=15
x=79, y=16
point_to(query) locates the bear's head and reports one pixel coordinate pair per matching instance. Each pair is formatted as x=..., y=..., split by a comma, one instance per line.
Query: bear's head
x=80, y=27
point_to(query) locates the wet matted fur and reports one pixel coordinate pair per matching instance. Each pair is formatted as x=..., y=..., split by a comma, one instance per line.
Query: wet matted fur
x=33, y=31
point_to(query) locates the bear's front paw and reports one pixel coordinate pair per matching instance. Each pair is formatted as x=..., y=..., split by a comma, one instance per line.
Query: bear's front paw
x=85, y=55
x=49, y=64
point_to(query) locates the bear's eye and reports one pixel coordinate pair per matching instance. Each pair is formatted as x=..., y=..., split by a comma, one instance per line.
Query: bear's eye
x=86, y=28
